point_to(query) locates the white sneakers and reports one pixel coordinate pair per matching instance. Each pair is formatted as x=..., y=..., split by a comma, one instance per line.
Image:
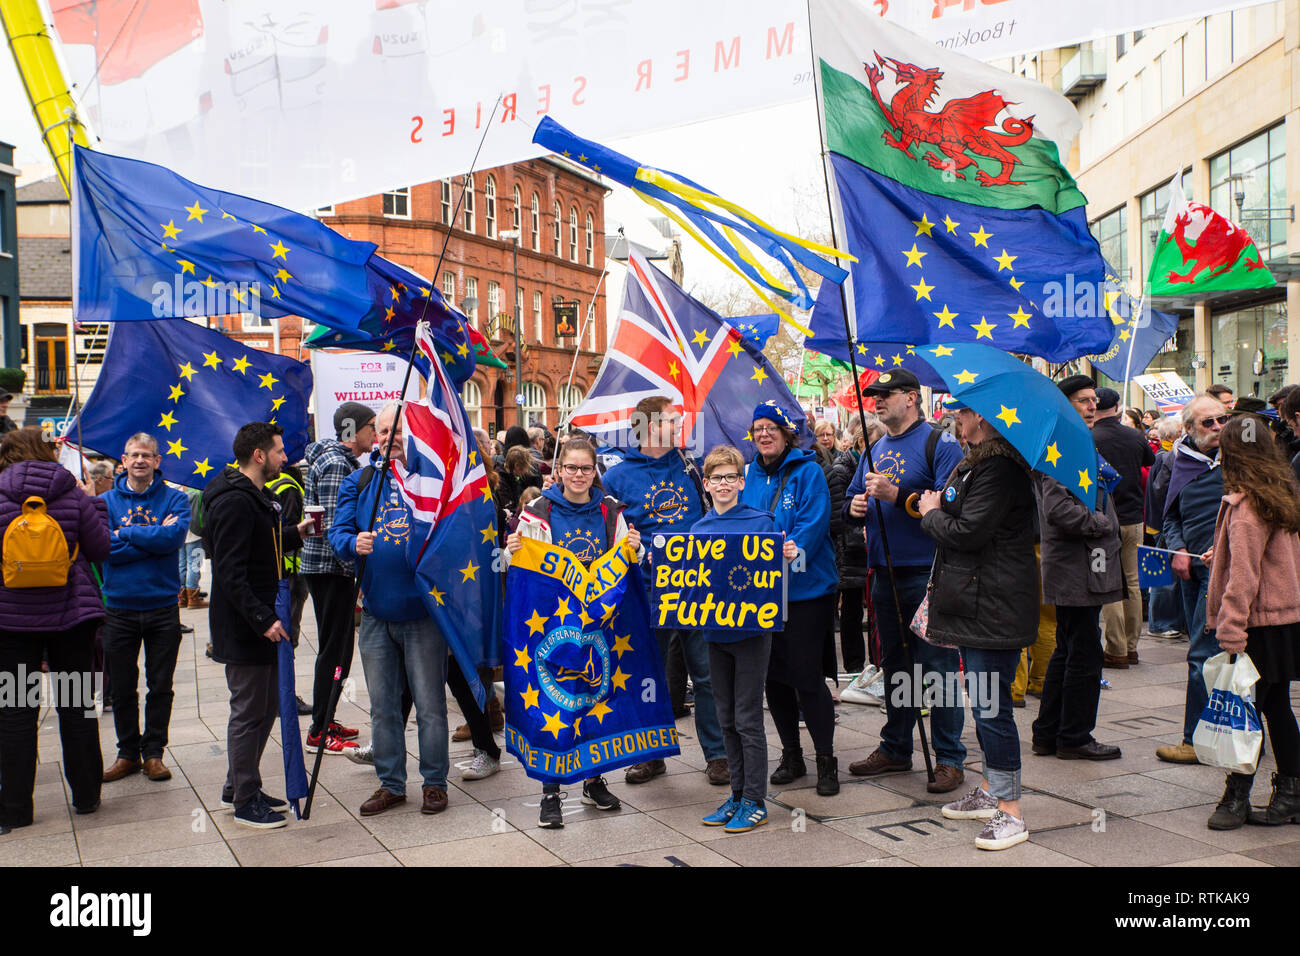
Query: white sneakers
x=867, y=688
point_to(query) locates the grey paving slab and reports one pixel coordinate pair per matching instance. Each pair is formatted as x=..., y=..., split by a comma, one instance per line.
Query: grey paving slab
x=1209, y=780
x=611, y=836
x=1190, y=822
x=688, y=855
x=812, y=844
x=1284, y=854
x=968, y=854
x=910, y=829
x=366, y=860
x=51, y=849
x=205, y=854
x=1225, y=860
x=857, y=796
x=407, y=826
x=1132, y=795
x=497, y=849
x=890, y=861
x=174, y=802
x=1124, y=843
x=131, y=839
x=299, y=845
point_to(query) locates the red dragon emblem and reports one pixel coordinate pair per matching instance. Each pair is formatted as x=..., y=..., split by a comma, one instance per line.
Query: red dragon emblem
x=1218, y=243
x=961, y=127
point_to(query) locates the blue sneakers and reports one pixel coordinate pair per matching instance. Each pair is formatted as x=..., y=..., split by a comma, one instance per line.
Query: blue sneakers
x=256, y=814
x=747, y=816
x=724, y=813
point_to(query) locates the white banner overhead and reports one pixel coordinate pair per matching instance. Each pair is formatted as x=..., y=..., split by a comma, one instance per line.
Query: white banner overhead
x=307, y=104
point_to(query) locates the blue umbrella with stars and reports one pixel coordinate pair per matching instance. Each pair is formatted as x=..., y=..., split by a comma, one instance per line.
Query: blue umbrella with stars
x=1026, y=408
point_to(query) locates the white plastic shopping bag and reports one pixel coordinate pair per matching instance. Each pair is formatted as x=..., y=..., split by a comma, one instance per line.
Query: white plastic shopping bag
x=1229, y=735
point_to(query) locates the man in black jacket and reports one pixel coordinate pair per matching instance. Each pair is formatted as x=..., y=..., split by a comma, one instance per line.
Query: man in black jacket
x=1128, y=453
x=244, y=535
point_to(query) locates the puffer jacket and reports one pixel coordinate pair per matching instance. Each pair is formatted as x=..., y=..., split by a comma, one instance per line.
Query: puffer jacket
x=984, y=588
x=84, y=521
x=1081, y=565
x=850, y=546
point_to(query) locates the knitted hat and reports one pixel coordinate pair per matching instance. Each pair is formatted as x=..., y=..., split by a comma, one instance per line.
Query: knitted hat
x=774, y=412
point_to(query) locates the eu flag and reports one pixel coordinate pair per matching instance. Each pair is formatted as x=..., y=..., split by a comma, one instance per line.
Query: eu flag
x=1154, y=568
x=933, y=269
x=149, y=244
x=191, y=388
x=1142, y=329
x=579, y=660
x=829, y=338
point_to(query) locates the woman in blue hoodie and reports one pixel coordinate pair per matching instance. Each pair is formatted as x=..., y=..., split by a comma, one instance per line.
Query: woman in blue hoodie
x=569, y=516
x=787, y=481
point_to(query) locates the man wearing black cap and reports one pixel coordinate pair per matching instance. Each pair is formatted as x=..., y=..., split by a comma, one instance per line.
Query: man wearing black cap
x=330, y=581
x=1081, y=573
x=1128, y=453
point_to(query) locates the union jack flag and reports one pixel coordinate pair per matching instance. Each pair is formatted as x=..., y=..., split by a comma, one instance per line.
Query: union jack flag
x=666, y=343
x=453, y=543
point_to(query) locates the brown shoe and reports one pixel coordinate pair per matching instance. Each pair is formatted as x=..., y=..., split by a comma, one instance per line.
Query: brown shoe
x=462, y=734
x=121, y=768
x=878, y=763
x=645, y=772
x=719, y=772
x=183, y=600
x=380, y=801
x=435, y=800
x=194, y=601
x=1119, y=663
x=1133, y=657
x=946, y=779
x=154, y=770
x=496, y=716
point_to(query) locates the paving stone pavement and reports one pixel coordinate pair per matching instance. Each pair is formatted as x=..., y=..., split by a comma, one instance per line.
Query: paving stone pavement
x=1126, y=812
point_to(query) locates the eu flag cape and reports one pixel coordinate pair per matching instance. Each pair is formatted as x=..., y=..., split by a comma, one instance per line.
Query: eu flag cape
x=585, y=690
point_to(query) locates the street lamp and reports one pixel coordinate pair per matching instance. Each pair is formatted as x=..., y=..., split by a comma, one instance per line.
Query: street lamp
x=513, y=236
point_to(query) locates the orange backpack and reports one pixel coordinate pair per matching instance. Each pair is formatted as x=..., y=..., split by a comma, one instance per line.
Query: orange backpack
x=35, y=550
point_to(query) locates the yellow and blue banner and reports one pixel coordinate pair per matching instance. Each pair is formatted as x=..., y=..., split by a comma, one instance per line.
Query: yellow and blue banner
x=585, y=689
x=718, y=582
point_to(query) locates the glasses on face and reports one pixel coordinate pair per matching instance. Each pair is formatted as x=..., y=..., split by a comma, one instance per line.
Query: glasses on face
x=1220, y=420
x=1092, y=400
x=765, y=430
x=578, y=469
x=142, y=455
x=730, y=478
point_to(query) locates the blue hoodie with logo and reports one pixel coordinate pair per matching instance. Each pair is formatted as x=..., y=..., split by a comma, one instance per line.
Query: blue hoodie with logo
x=740, y=518
x=389, y=589
x=142, y=572
x=577, y=528
x=660, y=493
x=794, y=490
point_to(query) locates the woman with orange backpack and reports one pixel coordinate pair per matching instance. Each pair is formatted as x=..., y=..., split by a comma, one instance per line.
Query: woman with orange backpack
x=51, y=528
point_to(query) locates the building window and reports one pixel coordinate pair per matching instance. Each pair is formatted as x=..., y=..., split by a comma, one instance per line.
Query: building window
x=322, y=211
x=449, y=288
x=591, y=331
x=1248, y=185
x=251, y=322
x=51, y=358
x=494, y=304
x=534, y=404
x=1111, y=233
x=570, y=398
x=591, y=240
x=537, y=316
x=557, y=215
x=1153, y=205
x=397, y=203
x=514, y=216
x=471, y=292
x=573, y=233
x=473, y=399
x=536, y=224
x=1248, y=349
x=1121, y=46
x=490, y=206
x=469, y=203
x=444, y=202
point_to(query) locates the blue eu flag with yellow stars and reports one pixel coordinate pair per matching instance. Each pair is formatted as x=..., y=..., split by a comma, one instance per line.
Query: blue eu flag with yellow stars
x=932, y=269
x=585, y=690
x=191, y=388
x=149, y=244
x=1142, y=332
x=1154, y=568
x=830, y=339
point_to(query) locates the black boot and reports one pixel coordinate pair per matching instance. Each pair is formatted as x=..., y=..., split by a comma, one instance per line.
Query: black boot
x=790, y=768
x=1233, y=809
x=1283, y=805
x=828, y=780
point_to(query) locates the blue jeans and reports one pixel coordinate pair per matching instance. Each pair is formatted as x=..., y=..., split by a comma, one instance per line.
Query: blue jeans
x=1165, y=609
x=988, y=677
x=696, y=649
x=416, y=649
x=1201, y=644
x=191, y=563
x=945, y=722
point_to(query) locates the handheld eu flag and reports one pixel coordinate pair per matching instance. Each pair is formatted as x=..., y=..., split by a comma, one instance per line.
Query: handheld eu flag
x=1155, y=569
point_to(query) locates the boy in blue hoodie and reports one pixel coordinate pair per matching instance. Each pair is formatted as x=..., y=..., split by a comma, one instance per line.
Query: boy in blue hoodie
x=149, y=522
x=737, y=659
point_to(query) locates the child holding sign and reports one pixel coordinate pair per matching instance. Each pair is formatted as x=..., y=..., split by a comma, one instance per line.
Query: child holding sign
x=737, y=659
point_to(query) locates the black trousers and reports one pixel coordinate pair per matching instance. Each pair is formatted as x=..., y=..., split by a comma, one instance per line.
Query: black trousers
x=158, y=631
x=297, y=601
x=334, y=599
x=1072, y=685
x=853, y=645
x=480, y=728
x=70, y=655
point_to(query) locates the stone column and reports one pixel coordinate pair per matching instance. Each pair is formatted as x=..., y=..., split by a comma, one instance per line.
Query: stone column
x=1201, y=345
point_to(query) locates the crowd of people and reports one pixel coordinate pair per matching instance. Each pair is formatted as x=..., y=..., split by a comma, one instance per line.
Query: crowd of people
x=941, y=559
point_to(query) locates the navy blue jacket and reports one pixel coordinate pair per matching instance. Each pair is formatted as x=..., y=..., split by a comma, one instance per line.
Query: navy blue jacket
x=143, y=571
x=659, y=493
x=794, y=490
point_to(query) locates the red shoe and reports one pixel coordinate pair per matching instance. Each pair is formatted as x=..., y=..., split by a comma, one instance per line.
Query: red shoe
x=346, y=733
x=333, y=745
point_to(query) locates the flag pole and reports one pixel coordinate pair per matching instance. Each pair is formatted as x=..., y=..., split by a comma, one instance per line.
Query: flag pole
x=1132, y=340
x=904, y=630
x=336, y=685
x=578, y=348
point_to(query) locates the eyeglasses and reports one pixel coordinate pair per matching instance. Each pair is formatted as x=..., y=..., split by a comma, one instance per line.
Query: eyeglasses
x=1221, y=420
x=1085, y=401
x=730, y=478
x=578, y=469
x=146, y=455
x=765, y=430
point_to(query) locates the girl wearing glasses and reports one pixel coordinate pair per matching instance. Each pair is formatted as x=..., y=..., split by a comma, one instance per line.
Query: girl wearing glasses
x=569, y=516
